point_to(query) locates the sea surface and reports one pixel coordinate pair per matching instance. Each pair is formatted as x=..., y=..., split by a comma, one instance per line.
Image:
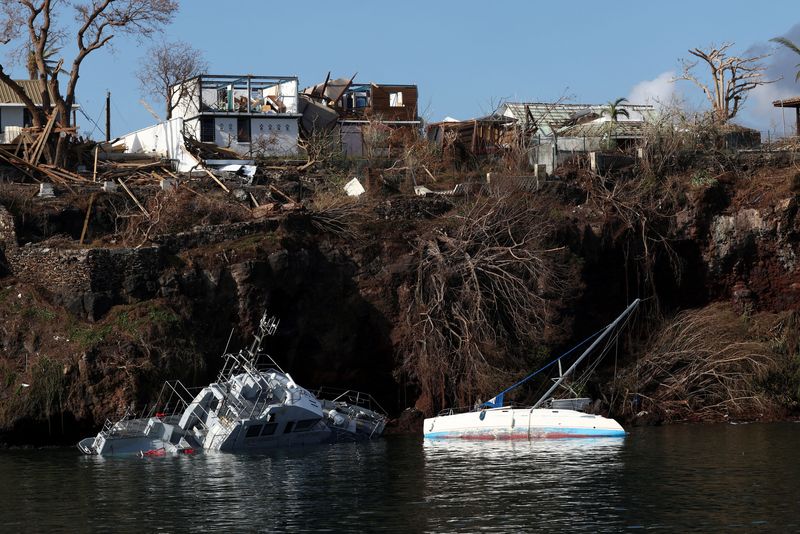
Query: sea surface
x=713, y=478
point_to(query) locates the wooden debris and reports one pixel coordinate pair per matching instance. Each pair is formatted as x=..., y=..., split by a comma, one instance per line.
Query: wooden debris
x=281, y=194
x=211, y=174
x=86, y=219
x=130, y=194
x=94, y=173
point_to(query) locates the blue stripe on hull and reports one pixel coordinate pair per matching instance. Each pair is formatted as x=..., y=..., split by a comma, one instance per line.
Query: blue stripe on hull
x=536, y=433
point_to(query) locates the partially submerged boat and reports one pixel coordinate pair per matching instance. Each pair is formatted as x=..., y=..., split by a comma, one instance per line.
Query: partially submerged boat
x=250, y=406
x=547, y=418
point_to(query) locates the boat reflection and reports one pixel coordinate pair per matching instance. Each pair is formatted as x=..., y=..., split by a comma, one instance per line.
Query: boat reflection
x=557, y=483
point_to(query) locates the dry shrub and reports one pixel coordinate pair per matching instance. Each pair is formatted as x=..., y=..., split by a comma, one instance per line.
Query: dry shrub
x=705, y=364
x=336, y=214
x=180, y=210
x=641, y=215
x=484, y=295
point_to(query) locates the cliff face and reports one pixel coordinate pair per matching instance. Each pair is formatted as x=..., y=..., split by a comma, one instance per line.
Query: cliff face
x=96, y=330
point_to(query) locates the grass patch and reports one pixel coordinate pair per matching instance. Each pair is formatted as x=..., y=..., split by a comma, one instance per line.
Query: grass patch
x=90, y=335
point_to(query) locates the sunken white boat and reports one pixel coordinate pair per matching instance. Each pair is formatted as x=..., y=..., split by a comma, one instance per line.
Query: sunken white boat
x=251, y=406
x=547, y=418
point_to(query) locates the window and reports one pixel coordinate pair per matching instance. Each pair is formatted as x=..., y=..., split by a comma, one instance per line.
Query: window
x=289, y=427
x=302, y=426
x=243, y=130
x=207, y=132
x=396, y=100
x=253, y=431
x=269, y=429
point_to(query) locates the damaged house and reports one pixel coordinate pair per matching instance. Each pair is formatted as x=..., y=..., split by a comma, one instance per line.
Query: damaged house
x=226, y=121
x=554, y=133
x=484, y=136
x=14, y=115
x=250, y=115
x=369, y=119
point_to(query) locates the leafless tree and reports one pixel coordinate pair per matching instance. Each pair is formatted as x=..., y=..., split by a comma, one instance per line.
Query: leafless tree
x=731, y=78
x=166, y=65
x=43, y=26
x=483, y=298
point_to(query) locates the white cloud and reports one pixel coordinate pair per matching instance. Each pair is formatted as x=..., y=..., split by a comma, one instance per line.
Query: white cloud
x=658, y=91
x=758, y=112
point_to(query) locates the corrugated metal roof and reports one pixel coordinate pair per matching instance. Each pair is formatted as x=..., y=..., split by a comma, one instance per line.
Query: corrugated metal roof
x=620, y=129
x=31, y=88
x=553, y=115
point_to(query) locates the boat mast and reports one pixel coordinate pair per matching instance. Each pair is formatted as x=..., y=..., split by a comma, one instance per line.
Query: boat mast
x=597, y=341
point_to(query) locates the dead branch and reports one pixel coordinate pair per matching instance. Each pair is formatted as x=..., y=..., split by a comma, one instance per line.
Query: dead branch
x=484, y=292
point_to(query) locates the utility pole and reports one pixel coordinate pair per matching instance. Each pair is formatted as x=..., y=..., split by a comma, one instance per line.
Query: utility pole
x=108, y=116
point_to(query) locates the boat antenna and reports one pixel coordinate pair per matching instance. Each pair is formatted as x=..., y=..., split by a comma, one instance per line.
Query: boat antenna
x=596, y=342
x=266, y=327
x=228, y=344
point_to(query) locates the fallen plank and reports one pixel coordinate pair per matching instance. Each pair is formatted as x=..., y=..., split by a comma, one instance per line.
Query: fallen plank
x=86, y=219
x=281, y=193
x=211, y=174
x=130, y=194
x=94, y=174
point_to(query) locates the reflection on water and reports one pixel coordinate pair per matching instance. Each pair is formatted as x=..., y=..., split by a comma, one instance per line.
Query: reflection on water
x=712, y=478
x=474, y=485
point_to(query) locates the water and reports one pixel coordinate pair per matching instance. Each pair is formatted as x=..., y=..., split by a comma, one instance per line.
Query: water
x=707, y=478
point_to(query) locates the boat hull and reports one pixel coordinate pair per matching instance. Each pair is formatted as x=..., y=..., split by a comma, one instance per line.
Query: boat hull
x=516, y=423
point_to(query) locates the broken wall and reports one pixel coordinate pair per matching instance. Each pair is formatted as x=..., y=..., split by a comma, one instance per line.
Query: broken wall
x=187, y=100
x=382, y=101
x=89, y=281
x=164, y=140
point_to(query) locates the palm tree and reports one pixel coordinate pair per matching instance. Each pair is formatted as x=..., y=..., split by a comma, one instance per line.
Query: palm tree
x=49, y=63
x=791, y=46
x=613, y=110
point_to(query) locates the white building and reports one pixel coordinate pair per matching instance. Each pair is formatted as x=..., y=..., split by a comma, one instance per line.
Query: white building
x=251, y=115
x=14, y=115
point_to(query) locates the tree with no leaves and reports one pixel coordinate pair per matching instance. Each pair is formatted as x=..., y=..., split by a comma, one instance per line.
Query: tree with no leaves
x=164, y=67
x=43, y=26
x=486, y=289
x=732, y=78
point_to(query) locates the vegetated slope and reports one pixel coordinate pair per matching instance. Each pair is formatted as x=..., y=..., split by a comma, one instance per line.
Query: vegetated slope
x=422, y=302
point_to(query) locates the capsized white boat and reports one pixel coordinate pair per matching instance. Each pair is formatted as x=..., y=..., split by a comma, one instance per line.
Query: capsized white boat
x=547, y=418
x=249, y=407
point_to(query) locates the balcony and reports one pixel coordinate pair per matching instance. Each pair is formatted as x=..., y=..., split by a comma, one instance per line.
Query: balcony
x=261, y=95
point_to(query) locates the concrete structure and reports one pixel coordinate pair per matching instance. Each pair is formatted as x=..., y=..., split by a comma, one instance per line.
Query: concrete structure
x=251, y=115
x=163, y=140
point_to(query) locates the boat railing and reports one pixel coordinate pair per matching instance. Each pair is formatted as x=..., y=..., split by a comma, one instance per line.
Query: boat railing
x=352, y=397
x=173, y=401
x=456, y=410
x=479, y=407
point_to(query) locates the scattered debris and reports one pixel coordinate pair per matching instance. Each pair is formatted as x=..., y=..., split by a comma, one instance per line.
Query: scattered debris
x=46, y=191
x=353, y=188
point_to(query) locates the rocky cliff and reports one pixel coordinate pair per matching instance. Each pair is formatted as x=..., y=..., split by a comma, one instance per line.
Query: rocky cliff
x=89, y=331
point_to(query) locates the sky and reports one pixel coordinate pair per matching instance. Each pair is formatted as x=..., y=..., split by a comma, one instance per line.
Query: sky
x=465, y=56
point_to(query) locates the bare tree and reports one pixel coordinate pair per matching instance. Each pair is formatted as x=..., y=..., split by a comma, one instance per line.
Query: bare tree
x=97, y=22
x=732, y=78
x=165, y=66
x=484, y=295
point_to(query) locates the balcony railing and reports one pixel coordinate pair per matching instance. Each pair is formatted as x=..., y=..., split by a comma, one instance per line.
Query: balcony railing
x=248, y=94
